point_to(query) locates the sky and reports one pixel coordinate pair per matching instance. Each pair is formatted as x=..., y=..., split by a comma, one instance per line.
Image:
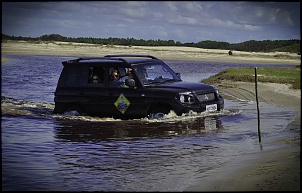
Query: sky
x=183, y=21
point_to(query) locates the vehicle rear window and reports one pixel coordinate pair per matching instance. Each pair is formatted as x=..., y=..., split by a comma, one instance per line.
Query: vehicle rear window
x=68, y=76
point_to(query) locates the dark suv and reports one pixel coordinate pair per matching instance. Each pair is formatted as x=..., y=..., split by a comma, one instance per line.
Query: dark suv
x=129, y=86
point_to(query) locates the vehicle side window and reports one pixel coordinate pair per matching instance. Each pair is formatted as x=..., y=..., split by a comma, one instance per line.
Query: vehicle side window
x=114, y=77
x=117, y=76
x=95, y=75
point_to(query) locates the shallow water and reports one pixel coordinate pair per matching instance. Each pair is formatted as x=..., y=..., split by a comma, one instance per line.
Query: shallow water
x=42, y=151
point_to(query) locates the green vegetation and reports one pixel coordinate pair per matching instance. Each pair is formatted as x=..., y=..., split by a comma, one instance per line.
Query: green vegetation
x=274, y=75
x=291, y=46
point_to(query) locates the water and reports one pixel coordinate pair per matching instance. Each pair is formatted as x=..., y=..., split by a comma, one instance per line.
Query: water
x=46, y=152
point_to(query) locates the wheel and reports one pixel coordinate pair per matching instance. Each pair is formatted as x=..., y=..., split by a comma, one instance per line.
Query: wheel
x=74, y=110
x=158, y=112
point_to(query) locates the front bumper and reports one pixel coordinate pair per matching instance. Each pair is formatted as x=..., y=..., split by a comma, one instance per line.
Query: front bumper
x=199, y=107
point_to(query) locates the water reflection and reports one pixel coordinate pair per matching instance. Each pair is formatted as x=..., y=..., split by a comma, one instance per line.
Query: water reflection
x=91, y=132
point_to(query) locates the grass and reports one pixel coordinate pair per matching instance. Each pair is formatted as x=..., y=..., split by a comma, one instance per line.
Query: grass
x=274, y=75
x=268, y=56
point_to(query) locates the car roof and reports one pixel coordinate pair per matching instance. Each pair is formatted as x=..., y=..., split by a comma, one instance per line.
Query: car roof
x=117, y=58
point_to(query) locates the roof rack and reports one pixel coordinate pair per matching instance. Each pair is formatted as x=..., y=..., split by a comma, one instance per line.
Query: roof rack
x=132, y=55
x=115, y=57
x=93, y=58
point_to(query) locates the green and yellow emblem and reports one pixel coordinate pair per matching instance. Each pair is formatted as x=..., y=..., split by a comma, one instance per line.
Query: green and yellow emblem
x=122, y=103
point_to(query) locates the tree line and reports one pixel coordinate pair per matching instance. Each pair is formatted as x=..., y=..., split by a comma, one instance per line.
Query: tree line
x=292, y=46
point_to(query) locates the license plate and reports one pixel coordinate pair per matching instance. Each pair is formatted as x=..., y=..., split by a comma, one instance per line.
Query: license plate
x=212, y=107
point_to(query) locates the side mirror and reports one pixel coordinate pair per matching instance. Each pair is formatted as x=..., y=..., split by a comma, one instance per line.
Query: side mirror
x=178, y=74
x=130, y=82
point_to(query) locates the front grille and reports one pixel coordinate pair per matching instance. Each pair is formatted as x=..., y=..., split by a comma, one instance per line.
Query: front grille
x=206, y=97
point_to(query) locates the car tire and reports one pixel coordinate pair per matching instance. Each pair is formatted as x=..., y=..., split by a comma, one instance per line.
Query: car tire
x=158, y=112
x=74, y=110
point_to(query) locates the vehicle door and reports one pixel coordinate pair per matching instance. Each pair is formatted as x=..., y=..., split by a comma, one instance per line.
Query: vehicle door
x=92, y=89
x=123, y=101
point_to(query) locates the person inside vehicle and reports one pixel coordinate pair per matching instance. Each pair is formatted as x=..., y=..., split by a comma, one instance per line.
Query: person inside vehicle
x=129, y=73
x=115, y=76
x=95, y=79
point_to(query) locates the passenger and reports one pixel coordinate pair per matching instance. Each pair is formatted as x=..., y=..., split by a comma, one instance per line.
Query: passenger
x=95, y=79
x=115, y=76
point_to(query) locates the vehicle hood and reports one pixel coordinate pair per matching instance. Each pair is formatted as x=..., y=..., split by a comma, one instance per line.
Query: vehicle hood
x=184, y=86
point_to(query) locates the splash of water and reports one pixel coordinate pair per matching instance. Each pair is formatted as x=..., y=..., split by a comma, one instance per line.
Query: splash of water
x=18, y=107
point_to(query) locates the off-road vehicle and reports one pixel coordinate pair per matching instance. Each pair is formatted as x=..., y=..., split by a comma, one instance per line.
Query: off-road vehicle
x=128, y=86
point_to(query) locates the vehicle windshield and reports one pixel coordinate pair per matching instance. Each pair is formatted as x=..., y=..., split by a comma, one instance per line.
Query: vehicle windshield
x=153, y=73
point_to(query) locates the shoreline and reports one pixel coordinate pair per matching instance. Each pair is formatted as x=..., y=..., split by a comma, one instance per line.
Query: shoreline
x=268, y=170
x=271, y=170
x=271, y=93
x=161, y=52
x=277, y=169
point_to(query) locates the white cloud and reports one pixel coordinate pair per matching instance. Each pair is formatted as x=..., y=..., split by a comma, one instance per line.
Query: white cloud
x=252, y=28
x=193, y=7
x=135, y=12
x=172, y=7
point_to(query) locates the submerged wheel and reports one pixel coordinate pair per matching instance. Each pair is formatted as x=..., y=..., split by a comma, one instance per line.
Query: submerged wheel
x=74, y=110
x=158, y=113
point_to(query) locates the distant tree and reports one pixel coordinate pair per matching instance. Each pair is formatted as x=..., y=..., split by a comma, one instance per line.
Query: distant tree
x=250, y=46
x=52, y=37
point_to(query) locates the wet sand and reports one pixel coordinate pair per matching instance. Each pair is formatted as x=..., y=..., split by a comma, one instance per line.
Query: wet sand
x=267, y=170
x=272, y=93
x=272, y=170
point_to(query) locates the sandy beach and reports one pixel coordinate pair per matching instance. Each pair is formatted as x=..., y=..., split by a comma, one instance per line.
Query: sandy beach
x=268, y=170
x=273, y=170
x=162, y=52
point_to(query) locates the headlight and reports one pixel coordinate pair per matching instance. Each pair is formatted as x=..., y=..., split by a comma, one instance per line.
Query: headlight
x=186, y=97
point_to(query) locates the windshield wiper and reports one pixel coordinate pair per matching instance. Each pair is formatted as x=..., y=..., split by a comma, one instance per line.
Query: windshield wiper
x=160, y=81
x=169, y=80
